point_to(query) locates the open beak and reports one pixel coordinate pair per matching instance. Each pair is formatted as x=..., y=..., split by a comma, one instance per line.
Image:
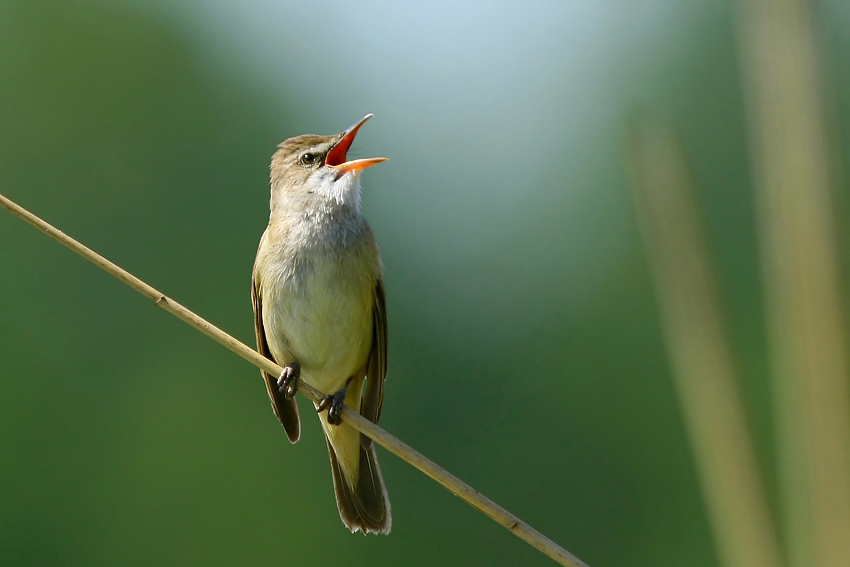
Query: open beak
x=337, y=159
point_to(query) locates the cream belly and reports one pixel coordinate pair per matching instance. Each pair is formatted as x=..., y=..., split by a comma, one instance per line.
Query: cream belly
x=320, y=317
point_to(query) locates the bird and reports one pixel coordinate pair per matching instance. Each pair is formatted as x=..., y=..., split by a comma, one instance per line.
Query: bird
x=320, y=311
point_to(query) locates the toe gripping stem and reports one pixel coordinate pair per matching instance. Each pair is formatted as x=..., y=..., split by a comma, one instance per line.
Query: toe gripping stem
x=287, y=382
x=334, y=404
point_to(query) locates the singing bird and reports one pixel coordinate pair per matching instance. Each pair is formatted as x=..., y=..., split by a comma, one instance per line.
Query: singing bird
x=320, y=312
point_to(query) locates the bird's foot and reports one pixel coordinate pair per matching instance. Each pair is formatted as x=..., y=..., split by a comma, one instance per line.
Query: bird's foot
x=287, y=383
x=334, y=404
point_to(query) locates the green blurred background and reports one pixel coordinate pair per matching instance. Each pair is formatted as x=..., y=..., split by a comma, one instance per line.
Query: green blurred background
x=525, y=348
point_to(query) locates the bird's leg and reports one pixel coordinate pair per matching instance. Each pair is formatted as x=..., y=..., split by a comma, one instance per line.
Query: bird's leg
x=334, y=404
x=287, y=382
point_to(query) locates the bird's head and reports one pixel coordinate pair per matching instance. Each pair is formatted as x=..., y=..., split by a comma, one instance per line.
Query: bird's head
x=316, y=168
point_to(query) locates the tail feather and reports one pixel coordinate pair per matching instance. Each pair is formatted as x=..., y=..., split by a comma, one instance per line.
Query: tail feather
x=365, y=505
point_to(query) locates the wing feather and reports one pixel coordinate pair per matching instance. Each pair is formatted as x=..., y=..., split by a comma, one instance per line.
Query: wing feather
x=376, y=371
x=285, y=410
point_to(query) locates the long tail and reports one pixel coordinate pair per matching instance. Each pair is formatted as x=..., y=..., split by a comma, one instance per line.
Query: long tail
x=363, y=504
x=361, y=495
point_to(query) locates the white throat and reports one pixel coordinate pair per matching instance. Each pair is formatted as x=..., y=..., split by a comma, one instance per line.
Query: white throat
x=343, y=191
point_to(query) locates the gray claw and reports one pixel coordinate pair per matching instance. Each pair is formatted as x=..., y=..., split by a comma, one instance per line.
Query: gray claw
x=287, y=383
x=334, y=404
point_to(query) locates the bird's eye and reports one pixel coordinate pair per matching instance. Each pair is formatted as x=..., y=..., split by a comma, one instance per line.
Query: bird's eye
x=308, y=159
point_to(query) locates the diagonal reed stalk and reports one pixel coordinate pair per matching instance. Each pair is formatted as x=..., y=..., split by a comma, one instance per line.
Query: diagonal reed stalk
x=477, y=500
x=801, y=278
x=699, y=353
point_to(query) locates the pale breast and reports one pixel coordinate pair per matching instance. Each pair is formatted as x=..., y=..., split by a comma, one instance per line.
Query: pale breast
x=319, y=311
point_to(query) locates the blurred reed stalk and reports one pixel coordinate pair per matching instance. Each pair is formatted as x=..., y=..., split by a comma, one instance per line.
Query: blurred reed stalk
x=800, y=272
x=699, y=353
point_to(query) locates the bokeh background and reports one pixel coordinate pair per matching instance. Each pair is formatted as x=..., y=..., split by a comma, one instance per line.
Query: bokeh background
x=526, y=351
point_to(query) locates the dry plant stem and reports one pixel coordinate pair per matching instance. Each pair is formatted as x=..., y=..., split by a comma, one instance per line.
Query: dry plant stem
x=800, y=274
x=391, y=443
x=698, y=349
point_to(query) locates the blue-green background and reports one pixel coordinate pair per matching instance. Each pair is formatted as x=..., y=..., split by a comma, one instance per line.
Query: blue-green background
x=525, y=347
